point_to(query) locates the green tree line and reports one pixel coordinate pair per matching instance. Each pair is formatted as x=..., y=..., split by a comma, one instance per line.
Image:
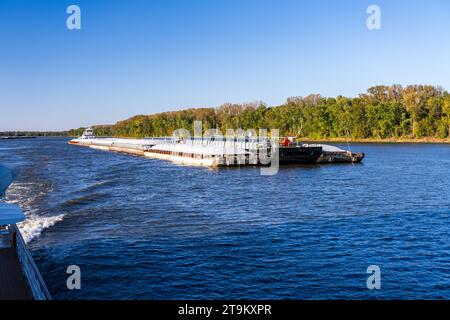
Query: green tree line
x=33, y=133
x=415, y=111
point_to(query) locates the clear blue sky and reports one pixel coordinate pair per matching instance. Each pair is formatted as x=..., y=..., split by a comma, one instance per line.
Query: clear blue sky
x=147, y=56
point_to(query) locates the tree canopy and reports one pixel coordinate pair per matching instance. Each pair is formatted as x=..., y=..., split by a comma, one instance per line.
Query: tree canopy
x=414, y=111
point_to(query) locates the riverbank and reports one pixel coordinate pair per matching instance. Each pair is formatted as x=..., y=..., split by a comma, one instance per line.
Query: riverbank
x=345, y=140
x=389, y=140
x=427, y=140
x=16, y=137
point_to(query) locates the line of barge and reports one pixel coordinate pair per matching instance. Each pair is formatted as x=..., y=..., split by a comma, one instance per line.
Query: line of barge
x=220, y=151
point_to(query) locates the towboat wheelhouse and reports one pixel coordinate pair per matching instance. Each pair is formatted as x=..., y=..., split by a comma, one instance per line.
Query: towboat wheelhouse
x=88, y=134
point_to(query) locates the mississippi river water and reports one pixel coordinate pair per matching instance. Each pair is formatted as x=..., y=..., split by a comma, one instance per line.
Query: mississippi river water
x=148, y=229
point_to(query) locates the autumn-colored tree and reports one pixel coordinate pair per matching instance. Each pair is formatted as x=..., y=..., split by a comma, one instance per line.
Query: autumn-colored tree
x=383, y=112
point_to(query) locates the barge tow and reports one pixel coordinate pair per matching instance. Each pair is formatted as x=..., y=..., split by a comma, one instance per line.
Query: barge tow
x=210, y=151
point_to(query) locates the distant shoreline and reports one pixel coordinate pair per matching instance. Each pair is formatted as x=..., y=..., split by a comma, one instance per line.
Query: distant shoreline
x=428, y=140
x=381, y=141
x=16, y=137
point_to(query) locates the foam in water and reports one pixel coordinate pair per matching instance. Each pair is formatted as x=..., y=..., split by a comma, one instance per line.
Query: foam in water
x=33, y=226
x=25, y=194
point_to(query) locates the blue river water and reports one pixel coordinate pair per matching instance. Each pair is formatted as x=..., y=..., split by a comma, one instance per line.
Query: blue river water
x=149, y=229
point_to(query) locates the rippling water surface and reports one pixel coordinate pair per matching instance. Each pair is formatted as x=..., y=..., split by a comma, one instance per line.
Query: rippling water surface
x=147, y=229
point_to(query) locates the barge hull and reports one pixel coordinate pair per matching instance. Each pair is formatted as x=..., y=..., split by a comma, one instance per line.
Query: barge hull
x=211, y=162
x=299, y=155
x=340, y=157
x=210, y=154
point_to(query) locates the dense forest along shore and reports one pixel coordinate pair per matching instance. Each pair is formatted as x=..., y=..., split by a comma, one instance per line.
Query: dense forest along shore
x=416, y=113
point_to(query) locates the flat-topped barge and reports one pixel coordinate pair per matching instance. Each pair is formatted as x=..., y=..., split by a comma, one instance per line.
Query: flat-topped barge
x=222, y=151
x=207, y=151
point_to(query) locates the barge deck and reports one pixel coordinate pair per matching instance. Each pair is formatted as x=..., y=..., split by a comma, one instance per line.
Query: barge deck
x=20, y=278
x=220, y=151
x=211, y=152
x=13, y=285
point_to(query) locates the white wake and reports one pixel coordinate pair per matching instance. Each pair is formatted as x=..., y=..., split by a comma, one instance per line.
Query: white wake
x=33, y=226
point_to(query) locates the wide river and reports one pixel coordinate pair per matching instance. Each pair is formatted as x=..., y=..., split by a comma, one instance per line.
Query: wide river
x=149, y=229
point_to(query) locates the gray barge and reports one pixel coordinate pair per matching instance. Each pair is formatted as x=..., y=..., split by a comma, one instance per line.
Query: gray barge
x=215, y=151
x=332, y=154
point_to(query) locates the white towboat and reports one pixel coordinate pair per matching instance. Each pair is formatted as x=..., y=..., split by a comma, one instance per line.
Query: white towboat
x=87, y=134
